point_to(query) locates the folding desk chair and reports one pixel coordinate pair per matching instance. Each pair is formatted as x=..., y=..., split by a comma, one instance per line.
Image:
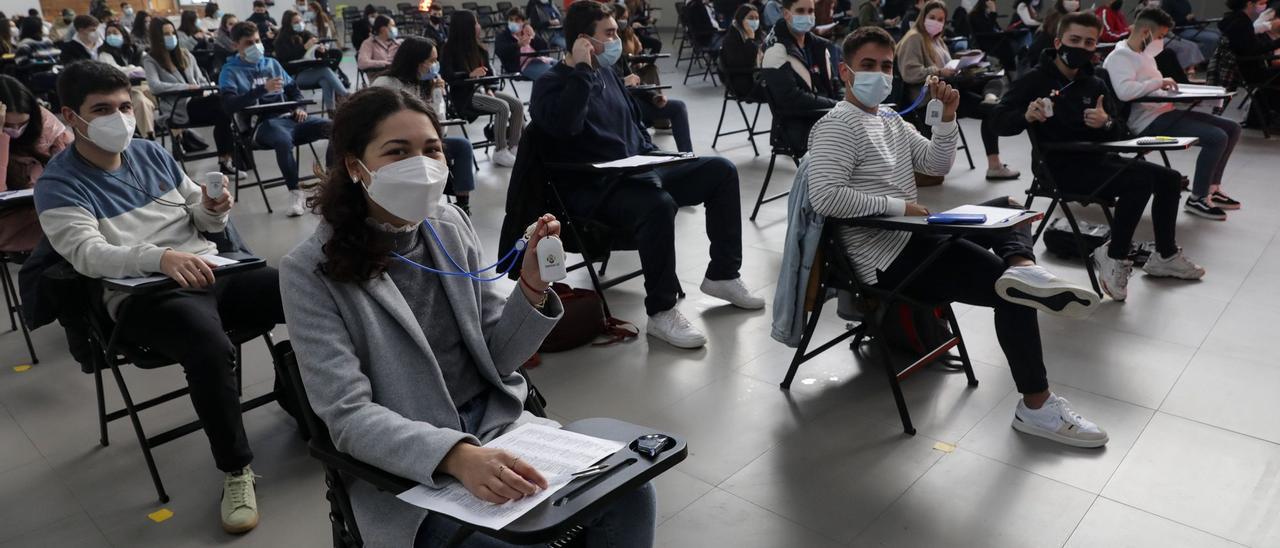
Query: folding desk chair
x=749, y=126
x=243, y=132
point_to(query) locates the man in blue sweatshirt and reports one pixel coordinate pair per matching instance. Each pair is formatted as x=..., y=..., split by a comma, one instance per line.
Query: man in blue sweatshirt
x=251, y=78
x=114, y=207
x=588, y=113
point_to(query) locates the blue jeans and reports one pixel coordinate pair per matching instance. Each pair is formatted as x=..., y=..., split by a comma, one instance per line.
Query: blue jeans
x=674, y=111
x=330, y=85
x=534, y=69
x=1207, y=38
x=282, y=134
x=458, y=152
x=1218, y=137
x=555, y=38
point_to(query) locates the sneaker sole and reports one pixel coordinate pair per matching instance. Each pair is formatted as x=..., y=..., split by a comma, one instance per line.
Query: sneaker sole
x=1004, y=177
x=241, y=529
x=1174, y=275
x=1025, y=428
x=1072, y=302
x=1204, y=215
x=677, y=344
x=1228, y=207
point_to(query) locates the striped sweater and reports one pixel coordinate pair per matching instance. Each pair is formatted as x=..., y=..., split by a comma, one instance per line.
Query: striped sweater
x=118, y=224
x=863, y=164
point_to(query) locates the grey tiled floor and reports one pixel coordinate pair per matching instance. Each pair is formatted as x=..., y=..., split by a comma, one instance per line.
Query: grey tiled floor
x=1183, y=375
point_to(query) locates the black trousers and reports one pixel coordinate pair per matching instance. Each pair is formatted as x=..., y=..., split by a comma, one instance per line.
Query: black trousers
x=207, y=111
x=966, y=272
x=646, y=203
x=971, y=106
x=189, y=326
x=1140, y=181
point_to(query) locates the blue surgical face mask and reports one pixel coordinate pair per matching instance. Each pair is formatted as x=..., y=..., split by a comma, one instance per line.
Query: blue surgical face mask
x=298, y=27
x=871, y=87
x=513, y=26
x=753, y=24
x=115, y=40
x=170, y=42
x=612, y=52
x=393, y=33
x=217, y=14
x=802, y=23
x=432, y=73
x=254, y=53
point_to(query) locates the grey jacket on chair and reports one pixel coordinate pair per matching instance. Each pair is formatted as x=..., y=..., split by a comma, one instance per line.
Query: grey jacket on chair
x=161, y=80
x=374, y=381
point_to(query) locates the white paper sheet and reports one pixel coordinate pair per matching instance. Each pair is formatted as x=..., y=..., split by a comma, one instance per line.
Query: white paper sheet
x=215, y=260
x=966, y=60
x=14, y=194
x=995, y=215
x=553, y=452
x=636, y=161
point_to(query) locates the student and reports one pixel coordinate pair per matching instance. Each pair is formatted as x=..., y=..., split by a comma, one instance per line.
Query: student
x=318, y=22
x=514, y=43
x=362, y=28
x=1133, y=72
x=1080, y=114
x=655, y=108
x=464, y=57
x=175, y=70
x=30, y=138
x=62, y=28
x=1115, y=27
x=862, y=162
x=1206, y=36
x=796, y=68
x=118, y=50
x=33, y=47
x=222, y=42
x=250, y=78
x=742, y=52
x=83, y=40
x=126, y=14
x=704, y=25
x=581, y=105
x=292, y=44
x=377, y=52
x=212, y=19
x=416, y=70
x=141, y=22
x=265, y=22
x=641, y=24
x=8, y=36
x=544, y=16
x=923, y=53
x=373, y=388
x=1237, y=26
x=437, y=28
x=153, y=225
x=190, y=35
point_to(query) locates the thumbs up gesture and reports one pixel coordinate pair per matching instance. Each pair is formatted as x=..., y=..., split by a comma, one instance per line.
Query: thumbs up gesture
x=1096, y=117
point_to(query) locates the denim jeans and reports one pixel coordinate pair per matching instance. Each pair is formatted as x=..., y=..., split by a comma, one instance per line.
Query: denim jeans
x=677, y=112
x=534, y=69
x=458, y=151
x=330, y=85
x=1218, y=137
x=282, y=134
x=1207, y=38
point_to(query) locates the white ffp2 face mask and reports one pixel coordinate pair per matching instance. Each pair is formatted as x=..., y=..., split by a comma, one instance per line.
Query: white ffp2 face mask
x=111, y=132
x=410, y=188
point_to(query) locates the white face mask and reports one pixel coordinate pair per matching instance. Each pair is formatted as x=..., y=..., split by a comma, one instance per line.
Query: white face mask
x=112, y=132
x=871, y=87
x=1154, y=47
x=410, y=188
x=1071, y=6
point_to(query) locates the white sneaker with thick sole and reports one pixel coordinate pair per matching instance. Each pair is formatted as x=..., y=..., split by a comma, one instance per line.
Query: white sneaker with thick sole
x=297, y=203
x=1176, y=266
x=1113, y=274
x=239, y=502
x=733, y=291
x=672, y=327
x=504, y=158
x=1038, y=288
x=1055, y=420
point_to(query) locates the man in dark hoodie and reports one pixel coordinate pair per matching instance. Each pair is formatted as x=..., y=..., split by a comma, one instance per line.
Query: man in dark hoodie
x=797, y=71
x=1080, y=112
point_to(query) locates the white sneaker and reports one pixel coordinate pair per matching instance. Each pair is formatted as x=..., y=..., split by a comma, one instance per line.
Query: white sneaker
x=504, y=158
x=1113, y=274
x=1038, y=288
x=298, y=203
x=239, y=502
x=1177, y=266
x=733, y=291
x=671, y=326
x=1055, y=420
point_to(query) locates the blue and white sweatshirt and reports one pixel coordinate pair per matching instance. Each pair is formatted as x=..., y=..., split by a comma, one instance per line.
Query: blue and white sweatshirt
x=243, y=84
x=118, y=224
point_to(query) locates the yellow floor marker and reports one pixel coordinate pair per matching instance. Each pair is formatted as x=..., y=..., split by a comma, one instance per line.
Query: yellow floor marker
x=21, y=368
x=160, y=515
x=944, y=447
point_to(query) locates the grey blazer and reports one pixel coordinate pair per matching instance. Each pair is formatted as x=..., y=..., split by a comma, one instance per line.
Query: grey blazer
x=161, y=80
x=374, y=381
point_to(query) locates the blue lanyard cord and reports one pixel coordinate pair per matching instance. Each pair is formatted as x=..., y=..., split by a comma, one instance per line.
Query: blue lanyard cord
x=509, y=259
x=924, y=90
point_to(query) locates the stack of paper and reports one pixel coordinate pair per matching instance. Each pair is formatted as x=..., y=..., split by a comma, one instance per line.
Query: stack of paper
x=15, y=194
x=554, y=453
x=636, y=161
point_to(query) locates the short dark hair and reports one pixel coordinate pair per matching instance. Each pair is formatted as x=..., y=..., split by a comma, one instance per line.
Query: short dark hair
x=1154, y=16
x=581, y=18
x=514, y=12
x=242, y=30
x=1237, y=5
x=1080, y=18
x=863, y=36
x=82, y=22
x=370, y=10
x=259, y=4
x=786, y=4
x=84, y=78
x=379, y=22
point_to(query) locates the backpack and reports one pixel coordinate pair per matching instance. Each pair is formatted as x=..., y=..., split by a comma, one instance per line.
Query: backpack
x=1059, y=241
x=915, y=330
x=584, y=321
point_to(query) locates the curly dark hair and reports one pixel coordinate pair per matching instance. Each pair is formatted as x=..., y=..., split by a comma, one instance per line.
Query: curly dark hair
x=354, y=252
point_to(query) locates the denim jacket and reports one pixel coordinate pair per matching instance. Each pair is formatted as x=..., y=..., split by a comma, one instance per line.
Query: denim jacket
x=804, y=235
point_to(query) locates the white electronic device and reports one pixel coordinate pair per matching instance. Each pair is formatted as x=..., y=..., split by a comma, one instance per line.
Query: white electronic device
x=551, y=260
x=933, y=114
x=1047, y=103
x=213, y=184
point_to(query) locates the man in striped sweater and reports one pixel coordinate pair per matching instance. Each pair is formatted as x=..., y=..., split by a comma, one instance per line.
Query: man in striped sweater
x=862, y=159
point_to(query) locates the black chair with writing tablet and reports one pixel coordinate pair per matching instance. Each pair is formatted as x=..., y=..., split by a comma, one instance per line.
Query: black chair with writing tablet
x=166, y=126
x=14, y=200
x=244, y=127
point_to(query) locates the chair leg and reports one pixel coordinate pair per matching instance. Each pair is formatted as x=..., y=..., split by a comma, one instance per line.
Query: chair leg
x=137, y=428
x=14, y=305
x=751, y=126
x=964, y=143
x=4, y=286
x=689, y=69
x=723, y=105
x=1080, y=247
x=806, y=338
x=764, y=187
x=887, y=363
x=1048, y=215
x=964, y=352
x=103, y=438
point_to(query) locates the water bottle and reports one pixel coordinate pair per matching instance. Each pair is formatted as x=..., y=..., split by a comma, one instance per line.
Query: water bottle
x=437, y=100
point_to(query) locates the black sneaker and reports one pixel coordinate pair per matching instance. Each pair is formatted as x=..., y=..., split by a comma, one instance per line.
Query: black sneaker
x=1223, y=201
x=1201, y=207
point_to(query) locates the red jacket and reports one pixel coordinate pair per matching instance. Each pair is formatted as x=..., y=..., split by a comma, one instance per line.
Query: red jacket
x=1114, y=26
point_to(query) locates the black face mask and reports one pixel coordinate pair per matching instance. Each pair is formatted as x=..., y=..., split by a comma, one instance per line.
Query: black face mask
x=435, y=19
x=1076, y=58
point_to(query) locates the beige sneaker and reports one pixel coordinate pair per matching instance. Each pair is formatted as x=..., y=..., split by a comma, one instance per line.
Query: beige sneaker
x=239, y=502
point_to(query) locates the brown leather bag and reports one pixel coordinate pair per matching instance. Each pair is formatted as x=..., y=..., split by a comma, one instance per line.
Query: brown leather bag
x=584, y=321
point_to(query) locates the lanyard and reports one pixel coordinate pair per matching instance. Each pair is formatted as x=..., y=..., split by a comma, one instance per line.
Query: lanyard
x=509, y=259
